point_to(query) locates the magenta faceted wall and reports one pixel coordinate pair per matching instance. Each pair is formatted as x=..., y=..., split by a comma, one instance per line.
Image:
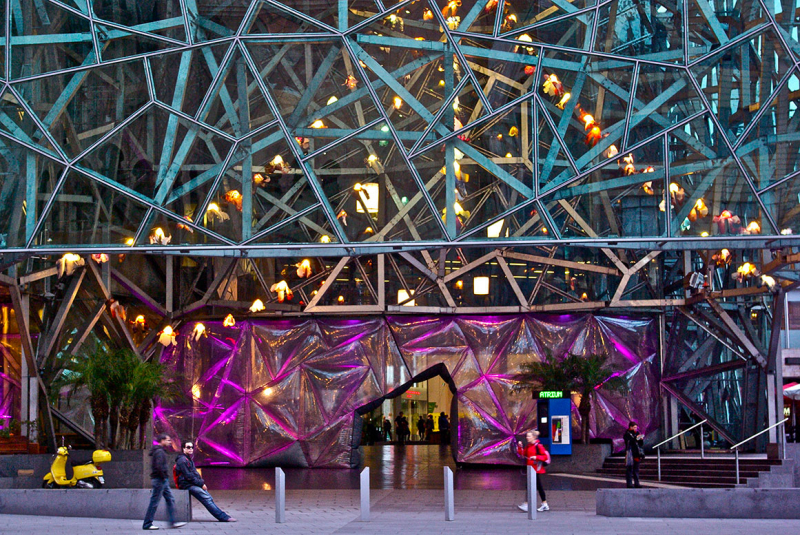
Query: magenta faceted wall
x=286, y=391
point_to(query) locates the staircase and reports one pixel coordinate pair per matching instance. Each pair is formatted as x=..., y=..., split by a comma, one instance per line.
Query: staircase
x=711, y=472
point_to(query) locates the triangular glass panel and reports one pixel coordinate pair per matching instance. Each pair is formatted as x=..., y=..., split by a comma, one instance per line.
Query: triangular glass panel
x=311, y=228
x=116, y=44
x=163, y=18
x=37, y=31
x=237, y=106
x=658, y=38
x=765, y=150
x=86, y=212
x=540, y=15
x=371, y=188
x=734, y=102
x=218, y=19
x=18, y=123
x=589, y=112
x=664, y=97
x=184, y=78
x=553, y=165
x=572, y=31
x=620, y=199
x=273, y=18
x=708, y=192
x=22, y=172
x=336, y=98
x=129, y=157
x=112, y=94
x=710, y=27
x=361, y=10
x=782, y=204
x=278, y=189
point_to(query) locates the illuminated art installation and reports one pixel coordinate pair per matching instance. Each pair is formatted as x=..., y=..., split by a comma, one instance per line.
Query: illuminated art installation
x=286, y=391
x=165, y=163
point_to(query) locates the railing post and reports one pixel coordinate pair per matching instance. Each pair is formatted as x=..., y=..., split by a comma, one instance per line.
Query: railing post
x=702, y=443
x=531, y=492
x=449, y=505
x=365, y=495
x=658, y=453
x=280, y=496
x=736, y=452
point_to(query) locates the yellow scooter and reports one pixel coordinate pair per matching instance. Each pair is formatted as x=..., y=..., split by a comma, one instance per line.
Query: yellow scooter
x=82, y=476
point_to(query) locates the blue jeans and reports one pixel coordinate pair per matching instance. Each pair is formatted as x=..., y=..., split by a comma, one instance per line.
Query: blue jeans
x=208, y=502
x=160, y=487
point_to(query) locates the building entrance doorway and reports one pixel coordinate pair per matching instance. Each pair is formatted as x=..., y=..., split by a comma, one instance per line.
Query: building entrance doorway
x=422, y=411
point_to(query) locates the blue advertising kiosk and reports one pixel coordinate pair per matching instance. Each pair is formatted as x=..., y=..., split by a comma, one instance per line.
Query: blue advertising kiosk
x=553, y=409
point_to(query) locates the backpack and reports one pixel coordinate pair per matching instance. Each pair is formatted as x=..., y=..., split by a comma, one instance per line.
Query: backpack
x=540, y=448
x=175, y=474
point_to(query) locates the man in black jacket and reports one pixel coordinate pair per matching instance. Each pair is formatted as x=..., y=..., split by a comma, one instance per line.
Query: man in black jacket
x=159, y=476
x=634, y=453
x=189, y=479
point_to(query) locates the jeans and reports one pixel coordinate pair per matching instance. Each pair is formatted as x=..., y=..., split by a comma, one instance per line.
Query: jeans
x=208, y=502
x=632, y=474
x=160, y=487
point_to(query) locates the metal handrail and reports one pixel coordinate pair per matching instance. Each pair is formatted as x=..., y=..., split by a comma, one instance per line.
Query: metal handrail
x=673, y=437
x=758, y=434
x=735, y=448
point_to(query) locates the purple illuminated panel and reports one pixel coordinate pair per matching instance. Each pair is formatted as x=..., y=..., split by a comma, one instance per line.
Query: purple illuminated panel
x=286, y=391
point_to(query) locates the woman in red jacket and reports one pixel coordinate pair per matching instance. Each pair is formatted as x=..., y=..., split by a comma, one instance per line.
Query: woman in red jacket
x=537, y=456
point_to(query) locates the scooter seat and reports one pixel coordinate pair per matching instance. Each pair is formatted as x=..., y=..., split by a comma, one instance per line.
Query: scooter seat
x=78, y=463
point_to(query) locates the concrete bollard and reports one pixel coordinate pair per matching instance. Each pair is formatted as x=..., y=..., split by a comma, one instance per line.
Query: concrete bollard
x=280, y=496
x=531, y=473
x=449, y=505
x=365, y=495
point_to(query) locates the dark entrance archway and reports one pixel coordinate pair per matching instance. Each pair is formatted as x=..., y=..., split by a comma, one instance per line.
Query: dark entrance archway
x=438, y=370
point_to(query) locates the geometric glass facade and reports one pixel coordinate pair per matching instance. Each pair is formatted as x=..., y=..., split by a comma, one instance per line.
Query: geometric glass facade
x=377, y=157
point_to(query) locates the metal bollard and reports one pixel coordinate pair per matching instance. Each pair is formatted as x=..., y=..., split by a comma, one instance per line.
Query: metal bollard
x=737, y=466
x=365, y=495
x=531, y=473
x=449, y=506
x=280, y=496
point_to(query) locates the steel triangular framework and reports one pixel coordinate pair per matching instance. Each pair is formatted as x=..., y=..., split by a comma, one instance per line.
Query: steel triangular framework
x=415, y=157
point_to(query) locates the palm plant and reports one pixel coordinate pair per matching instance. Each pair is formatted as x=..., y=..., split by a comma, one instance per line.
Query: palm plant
x=147, y=382
x=573, y=373
x=91, y=370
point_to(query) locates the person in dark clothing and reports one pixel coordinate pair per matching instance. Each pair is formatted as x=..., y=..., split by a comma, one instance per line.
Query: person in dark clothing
x=401, y=425
x=428, y=427
x=634, y=452
x=159, y=476
x=189, y=479
x=421, y=427
x=444, y=427
x=387, y=429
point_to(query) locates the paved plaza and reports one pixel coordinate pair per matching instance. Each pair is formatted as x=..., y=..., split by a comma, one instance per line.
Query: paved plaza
x=402, y=512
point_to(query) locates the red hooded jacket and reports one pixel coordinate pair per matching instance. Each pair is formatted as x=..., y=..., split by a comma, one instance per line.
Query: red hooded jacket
x=535, y=455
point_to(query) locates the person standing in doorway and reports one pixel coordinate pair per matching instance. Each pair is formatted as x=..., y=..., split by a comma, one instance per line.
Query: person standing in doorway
x=159, y=477
x=428, y=427
x=188, y=478
x=421, y=427
x=401, y=427
x=634, y=453
x=387, y=429
x=444, y=427
x=537, y=456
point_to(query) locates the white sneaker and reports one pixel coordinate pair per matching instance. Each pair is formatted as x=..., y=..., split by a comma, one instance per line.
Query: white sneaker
x=544, y=507
x=523, y=507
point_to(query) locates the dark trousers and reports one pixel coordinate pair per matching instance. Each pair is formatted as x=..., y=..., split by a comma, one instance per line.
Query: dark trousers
x=208, y=502
x=540, y=488
x=160, y=487
x=632, y=474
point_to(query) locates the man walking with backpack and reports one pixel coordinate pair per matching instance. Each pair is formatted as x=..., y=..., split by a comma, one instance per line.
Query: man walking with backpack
x=537, y=456
x=188, y=478
x=159, y=476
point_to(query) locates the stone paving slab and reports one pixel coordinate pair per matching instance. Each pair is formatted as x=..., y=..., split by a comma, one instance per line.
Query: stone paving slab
x=401, y=512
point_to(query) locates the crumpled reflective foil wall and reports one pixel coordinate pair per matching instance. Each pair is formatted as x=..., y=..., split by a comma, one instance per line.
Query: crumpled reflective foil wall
x=286, y=391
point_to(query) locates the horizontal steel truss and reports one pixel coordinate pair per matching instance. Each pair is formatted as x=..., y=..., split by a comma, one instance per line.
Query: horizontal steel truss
x=544, y=200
